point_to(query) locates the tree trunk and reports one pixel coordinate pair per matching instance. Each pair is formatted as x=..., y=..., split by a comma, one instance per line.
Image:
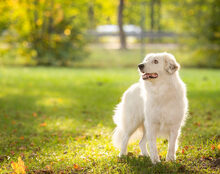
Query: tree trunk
x=152, y=15
x=159, y=15
x=120, y=24
x=91, y=15
x=50, y=20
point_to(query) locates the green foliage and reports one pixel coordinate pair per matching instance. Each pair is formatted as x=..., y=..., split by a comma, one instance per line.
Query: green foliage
x=200, y=21
x=54, y=118
x=50, y=32
x=4, y=23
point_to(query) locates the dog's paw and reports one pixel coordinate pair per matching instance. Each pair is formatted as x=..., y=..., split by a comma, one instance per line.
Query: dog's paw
x=144, y=154
x=170, y=158
x=155, y=160
x=120, y=155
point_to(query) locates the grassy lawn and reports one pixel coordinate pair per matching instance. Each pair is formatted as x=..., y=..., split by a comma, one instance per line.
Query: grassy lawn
x=60, y=121
x=105, y=58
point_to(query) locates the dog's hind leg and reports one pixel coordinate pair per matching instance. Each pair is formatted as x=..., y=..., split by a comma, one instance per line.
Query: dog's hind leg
x=126, y=135
x=143, y=144
x=124, y=145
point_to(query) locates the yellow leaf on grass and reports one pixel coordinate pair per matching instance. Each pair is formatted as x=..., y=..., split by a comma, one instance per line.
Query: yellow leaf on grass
x=34, y=114
x=18, y=167
x=186, y=147
x=48, y=167
x=43, y=124
x=213, y=147
x=219, y=147
x=77, y=167
x=183, y=151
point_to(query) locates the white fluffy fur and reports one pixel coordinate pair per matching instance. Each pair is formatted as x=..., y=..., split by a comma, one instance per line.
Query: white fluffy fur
x=153, y=107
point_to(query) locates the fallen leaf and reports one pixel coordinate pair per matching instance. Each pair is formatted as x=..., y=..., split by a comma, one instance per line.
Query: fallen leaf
x=183, y=151
x=219, y=147
x=77, y=167
x=203, y=158
x=43, y=124
x=186, y=147
x=34, y=114
x=22, y=138
x=13, y=122
x=18, y=167
x=213, y=147
x=48, y=167
x=197, y=124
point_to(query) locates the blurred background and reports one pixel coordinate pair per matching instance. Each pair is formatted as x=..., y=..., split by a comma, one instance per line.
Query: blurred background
x=110, y=33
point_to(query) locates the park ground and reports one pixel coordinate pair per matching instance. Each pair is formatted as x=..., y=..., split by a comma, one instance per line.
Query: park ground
x=59, y=120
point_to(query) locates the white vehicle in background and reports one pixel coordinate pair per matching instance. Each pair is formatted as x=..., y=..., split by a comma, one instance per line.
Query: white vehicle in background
x=128, y=29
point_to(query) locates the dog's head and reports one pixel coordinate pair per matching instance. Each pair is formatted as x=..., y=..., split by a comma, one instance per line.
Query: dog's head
x=156, y=65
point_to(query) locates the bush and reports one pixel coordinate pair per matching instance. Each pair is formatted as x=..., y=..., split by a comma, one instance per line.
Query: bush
x=47, y=32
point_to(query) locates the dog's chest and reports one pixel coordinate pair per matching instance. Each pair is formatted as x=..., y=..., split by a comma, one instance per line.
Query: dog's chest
x=163, y=111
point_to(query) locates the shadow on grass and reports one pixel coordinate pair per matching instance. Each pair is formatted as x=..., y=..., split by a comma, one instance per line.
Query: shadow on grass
x=19, y=108
x=143, y=164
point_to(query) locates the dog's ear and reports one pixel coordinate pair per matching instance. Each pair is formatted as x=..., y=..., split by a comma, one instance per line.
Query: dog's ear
x=171, y=66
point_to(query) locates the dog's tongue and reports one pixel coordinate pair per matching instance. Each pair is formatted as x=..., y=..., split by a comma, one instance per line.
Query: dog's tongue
x=146, y=76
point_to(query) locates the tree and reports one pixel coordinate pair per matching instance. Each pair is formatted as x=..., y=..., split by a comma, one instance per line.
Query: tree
x=159, y=15
x=120, y=24
x=47, y=32
x=200, y=21
x=152, y=5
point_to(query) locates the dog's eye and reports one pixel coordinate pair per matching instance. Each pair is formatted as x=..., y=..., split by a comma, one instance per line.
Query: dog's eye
x=156, y=61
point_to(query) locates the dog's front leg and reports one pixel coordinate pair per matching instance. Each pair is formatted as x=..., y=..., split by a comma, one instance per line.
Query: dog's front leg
x=172, y=146
x=151, y=132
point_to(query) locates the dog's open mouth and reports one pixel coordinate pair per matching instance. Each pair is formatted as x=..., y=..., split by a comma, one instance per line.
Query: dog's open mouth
x=147, y=76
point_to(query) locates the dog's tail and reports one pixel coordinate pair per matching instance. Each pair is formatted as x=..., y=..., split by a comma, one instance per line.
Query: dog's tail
x=117, y=137
x=119, y=132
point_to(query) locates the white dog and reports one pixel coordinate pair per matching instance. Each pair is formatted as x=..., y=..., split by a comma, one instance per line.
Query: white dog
x=155, y=106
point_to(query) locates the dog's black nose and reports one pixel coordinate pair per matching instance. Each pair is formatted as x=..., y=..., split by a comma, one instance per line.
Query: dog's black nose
x=141, y=66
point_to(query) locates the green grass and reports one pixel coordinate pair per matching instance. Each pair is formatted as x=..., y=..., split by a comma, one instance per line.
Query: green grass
x=54, y=118
x=105, y=58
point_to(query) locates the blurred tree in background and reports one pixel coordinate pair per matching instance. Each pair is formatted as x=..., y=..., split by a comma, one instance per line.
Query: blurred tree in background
x=50, y=32
x=200, y=20
x=54, y=32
